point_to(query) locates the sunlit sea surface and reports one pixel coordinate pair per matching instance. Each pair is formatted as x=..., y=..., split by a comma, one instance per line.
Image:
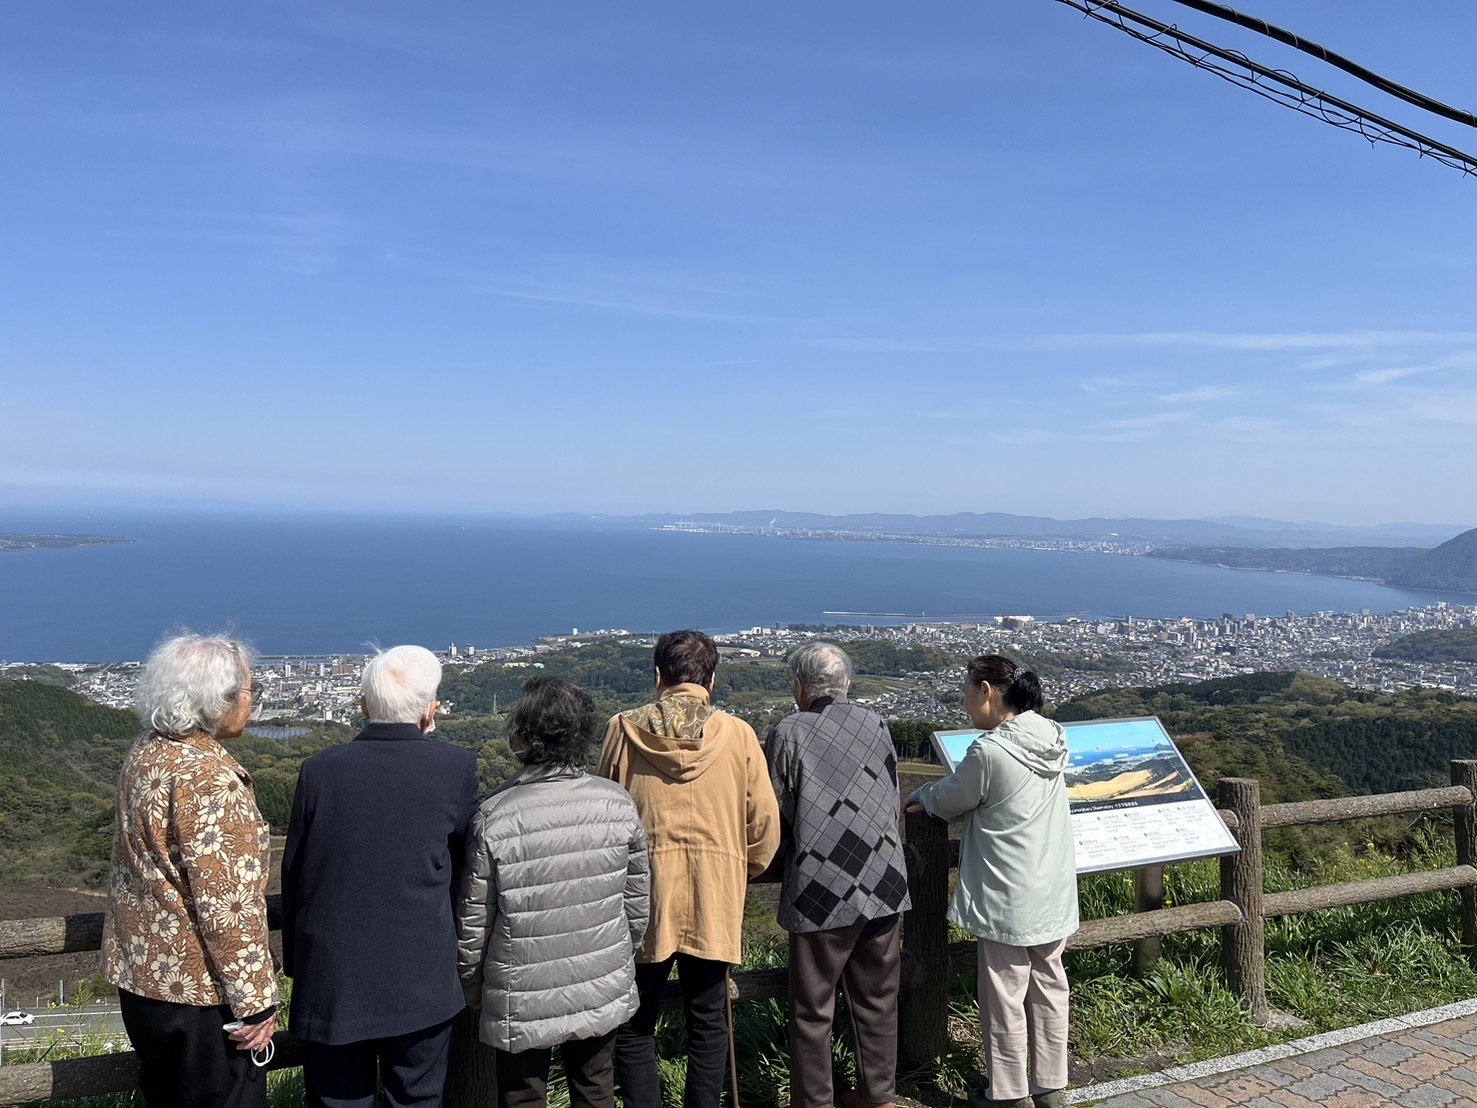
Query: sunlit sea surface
x=300, y=584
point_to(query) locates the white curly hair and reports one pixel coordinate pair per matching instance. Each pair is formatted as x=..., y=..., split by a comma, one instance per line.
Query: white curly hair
x=191, y=681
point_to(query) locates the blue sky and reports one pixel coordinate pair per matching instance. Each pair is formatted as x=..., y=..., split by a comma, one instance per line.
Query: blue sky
x=981, y=256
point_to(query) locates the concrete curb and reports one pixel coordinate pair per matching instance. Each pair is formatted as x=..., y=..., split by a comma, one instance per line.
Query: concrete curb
x=1212, y=1066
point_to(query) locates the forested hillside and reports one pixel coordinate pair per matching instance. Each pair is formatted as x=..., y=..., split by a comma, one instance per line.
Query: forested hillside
x=59, y=761
x=1458, y=644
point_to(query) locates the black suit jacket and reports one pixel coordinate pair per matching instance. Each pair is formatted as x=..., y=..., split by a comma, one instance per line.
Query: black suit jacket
x=368, y=876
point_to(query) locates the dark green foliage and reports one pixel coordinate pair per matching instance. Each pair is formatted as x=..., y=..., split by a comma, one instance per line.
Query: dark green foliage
x=1050, y=665
x=1453, y=645
x=59, y=760
x=911, y=737
x=485, y=737
x=885, y=658
x=1403, y=741
x=611, y=671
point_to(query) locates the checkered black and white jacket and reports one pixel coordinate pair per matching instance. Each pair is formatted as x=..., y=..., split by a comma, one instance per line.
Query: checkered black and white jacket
x=834, y=771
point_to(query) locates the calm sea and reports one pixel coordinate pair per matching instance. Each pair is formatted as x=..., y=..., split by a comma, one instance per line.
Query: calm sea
x=323, y=584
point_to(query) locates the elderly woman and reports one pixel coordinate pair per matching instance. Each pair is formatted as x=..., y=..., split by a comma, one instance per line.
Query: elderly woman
x=553, y=906
x=186, y=937
x=1017, y=888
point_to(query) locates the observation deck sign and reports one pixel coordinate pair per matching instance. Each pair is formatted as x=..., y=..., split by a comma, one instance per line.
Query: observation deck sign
x=1134, y=800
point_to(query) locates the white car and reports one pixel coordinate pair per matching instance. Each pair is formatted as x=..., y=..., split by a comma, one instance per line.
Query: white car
x=17, y=1019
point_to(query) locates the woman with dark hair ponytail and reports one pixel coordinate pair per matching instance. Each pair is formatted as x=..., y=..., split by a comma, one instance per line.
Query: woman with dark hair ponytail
x=1017, y=889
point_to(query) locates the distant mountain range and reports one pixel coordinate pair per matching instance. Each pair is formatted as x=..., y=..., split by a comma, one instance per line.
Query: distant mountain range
x=1238, y=531
x=1452, y=566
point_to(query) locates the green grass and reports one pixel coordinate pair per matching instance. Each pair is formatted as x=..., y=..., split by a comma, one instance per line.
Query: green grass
x=1330, y=969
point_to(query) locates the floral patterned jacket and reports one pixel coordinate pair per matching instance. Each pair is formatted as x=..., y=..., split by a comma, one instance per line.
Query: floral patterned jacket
x=188, y=916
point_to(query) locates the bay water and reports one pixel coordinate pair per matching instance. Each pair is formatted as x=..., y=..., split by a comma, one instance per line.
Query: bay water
x=298, y=583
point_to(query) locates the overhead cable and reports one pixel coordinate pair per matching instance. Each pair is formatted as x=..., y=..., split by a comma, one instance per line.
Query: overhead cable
x=1279, y=86
x=1322, y=53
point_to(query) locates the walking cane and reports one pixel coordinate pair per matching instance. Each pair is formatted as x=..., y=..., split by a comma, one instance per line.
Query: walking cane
x=732, y=1047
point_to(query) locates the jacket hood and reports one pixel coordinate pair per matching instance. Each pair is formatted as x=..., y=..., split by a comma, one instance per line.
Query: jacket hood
x=672, y=733
x=1038, y=743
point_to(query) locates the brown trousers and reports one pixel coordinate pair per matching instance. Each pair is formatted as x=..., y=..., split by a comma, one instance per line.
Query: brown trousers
x=864, y=959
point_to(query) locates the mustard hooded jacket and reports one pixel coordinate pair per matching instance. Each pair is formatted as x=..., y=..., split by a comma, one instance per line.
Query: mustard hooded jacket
x=699, y=780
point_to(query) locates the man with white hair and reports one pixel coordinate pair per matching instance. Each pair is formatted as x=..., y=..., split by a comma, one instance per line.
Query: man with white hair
x=845, y=882
x=367, y=884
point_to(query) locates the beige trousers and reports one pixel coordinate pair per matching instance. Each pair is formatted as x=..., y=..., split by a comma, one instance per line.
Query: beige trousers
x=1023, y=1003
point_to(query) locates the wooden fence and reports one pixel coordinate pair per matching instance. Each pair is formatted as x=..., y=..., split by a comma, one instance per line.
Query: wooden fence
x=929, y=959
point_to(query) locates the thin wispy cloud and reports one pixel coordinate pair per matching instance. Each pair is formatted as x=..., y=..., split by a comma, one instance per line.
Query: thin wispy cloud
x=1146, y=422
x=1260, y=341
x=1385, y=376
x=1117, y=383
x=1205, y=394
x=1130, y=430
x=575, y=298
x=1447, y=408
x=657, y=303
x=893, y=346
x=308, y=242
x=1250, y=425
x=1025, y=436
x=1250, y=341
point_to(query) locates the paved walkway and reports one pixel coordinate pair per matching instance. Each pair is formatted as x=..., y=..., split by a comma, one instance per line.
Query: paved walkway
x=1425, y=1060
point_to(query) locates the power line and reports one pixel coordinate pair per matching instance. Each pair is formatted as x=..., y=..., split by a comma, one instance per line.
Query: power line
x=1323, y=53
x=1279, y=86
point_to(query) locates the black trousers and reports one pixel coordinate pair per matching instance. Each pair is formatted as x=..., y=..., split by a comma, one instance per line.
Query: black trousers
x=185, y=1059
x=589, y=1067
x=411, y=1067
x=705, y=1011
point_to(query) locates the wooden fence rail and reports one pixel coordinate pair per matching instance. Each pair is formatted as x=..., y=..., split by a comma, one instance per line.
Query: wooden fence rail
x=929, y=958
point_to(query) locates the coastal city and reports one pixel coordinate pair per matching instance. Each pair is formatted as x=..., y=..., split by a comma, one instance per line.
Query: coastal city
x=1078, y=656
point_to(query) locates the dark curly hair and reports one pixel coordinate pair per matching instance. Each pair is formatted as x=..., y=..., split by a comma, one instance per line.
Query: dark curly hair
x=556, y=722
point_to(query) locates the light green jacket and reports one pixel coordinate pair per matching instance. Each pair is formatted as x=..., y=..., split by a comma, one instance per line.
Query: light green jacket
x=1017, y=874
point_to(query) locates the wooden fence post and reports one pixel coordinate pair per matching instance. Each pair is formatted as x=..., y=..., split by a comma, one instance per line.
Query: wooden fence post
x=1464, y=772
x=1243, y=945
x=1148, y=896
x=923, y=1009
x=470, y=1078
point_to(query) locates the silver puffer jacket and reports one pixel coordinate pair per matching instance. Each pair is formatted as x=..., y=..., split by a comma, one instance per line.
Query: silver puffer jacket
x=553, y=905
